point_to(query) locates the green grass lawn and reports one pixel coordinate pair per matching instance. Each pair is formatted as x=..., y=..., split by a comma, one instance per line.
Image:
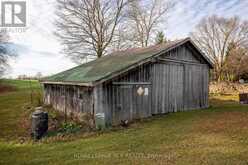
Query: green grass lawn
x=13, y=106
x=218, y=135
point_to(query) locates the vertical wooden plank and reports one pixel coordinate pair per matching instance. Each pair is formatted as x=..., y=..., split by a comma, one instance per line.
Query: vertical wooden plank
x=159, y=86
x=173, y=92
x=163, y=77
x=207, y=85
x=131, y=103
x=156, y=76
x=116, y=106
x=165, y=84
x=170, y=88
x=135, y=102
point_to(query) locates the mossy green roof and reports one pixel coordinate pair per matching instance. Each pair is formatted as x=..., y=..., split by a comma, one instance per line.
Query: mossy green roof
x=109, y=64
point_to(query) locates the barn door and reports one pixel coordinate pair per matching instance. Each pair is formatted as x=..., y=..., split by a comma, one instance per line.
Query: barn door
x=132, y=101
x=167, y=88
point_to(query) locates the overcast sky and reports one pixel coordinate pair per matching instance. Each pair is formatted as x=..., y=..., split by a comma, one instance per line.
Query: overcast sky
x=39, y=50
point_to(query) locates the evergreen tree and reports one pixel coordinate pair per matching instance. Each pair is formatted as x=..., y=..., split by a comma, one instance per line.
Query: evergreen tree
x=160, y=38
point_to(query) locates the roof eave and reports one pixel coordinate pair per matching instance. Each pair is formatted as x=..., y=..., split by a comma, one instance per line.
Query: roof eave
x=90, y=84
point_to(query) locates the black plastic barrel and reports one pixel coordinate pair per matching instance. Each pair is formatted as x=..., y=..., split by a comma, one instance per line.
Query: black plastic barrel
x=39, y=123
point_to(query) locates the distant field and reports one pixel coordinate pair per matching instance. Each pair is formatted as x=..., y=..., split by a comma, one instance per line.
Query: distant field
x=217, y=135
x=21, y=84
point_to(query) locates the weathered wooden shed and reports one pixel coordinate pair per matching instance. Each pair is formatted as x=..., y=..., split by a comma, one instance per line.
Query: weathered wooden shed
x=133, y=84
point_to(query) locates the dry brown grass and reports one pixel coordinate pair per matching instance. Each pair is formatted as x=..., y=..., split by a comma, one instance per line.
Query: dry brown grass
x=225, y=122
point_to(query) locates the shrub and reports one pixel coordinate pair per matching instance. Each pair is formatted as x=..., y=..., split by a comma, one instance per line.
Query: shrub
x=69, y=127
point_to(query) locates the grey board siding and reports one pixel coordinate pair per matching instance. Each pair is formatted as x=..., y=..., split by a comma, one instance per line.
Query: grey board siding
x=67, y=98
x=167, y=87
x=129, y=105
x=196, y=87
x=178, y=85
x=121, y=101
x=179, y=81
x=185, y=53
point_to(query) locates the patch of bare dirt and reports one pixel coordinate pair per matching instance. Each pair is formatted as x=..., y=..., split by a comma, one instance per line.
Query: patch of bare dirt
x=55, y=121
x=6, y=88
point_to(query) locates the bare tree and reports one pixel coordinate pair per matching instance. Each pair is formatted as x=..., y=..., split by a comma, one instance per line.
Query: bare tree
x=123, y=38
x=214, y=35
x=236, y=62
x=86, y=28
x=38, y=75
x=145, y=18
x=4, y=54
